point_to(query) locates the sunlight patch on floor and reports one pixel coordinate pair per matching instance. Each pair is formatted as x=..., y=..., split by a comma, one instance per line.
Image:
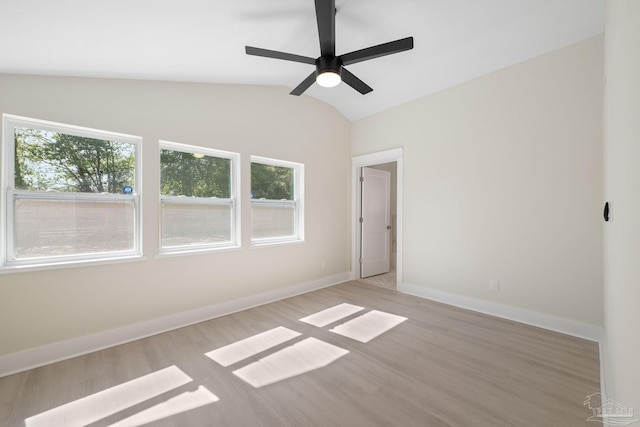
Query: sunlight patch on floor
x=97, y=406
x=240, y=350
x=182, y=403
x=368, y=326
x=296, y=359
x=302, y=357
x=331, y=314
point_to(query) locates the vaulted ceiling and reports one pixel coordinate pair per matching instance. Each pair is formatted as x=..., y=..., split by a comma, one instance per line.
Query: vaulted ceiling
x=203, y=41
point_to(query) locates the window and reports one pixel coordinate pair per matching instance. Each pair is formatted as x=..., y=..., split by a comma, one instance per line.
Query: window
x=197, y=198
x=276, y=201
x=69, y=193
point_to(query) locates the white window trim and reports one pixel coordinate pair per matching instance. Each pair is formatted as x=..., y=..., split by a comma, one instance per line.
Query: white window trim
x=9, y=194
x=297, y=202
x=232, y=201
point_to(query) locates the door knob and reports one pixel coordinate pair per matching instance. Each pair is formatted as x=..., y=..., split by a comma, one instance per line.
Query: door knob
x=388, y=227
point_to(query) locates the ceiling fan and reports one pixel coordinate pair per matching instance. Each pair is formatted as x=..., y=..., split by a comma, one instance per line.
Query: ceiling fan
x=330, y=69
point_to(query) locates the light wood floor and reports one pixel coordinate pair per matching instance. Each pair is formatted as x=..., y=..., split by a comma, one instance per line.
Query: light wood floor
x=443, y=366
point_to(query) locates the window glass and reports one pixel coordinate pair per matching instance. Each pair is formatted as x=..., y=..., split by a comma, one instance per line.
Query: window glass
x=195, y=224
x=53, y=228
x=276, y=201
x=194, y=175
x=271, y=182
x=70, y=193
x=197, y=193
x=271, y=221
x=56, y=161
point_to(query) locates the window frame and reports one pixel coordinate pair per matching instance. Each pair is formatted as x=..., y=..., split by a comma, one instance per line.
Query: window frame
x=232, y=201
x=9, y=194
x=297, y=202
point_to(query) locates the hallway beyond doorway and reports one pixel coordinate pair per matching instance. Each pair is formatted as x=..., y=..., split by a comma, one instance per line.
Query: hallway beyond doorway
x=386, y=280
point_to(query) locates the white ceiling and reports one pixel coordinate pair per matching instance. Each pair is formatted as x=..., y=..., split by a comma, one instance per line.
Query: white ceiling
x=203, y=41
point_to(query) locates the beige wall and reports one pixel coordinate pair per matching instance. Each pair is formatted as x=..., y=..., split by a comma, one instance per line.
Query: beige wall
x=42, y=307
x=622, y=189
x=503, y=180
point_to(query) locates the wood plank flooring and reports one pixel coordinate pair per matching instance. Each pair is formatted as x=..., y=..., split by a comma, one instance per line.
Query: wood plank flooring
x=443, y=366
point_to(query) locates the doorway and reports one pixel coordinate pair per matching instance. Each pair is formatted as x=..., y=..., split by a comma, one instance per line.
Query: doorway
x=377, y=230
x=377, y=237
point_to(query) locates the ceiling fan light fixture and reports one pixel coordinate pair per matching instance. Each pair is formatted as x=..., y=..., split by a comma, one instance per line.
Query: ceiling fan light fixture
x=328, y=79
x=328, y=71
x=329, y=67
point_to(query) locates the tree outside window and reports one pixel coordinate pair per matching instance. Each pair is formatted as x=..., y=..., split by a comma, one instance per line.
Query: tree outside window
x=276, y=201
x=197, y=194
x=70, y=193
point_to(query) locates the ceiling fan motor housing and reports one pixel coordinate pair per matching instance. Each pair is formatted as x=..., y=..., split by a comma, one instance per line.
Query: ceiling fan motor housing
x=328, y=64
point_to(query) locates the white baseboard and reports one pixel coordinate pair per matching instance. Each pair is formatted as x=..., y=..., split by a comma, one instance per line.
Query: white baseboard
x=529, y=317
x=40, y=356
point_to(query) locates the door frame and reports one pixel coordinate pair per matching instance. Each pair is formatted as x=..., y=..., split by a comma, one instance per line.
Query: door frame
x=357, y=162
x=376, y=188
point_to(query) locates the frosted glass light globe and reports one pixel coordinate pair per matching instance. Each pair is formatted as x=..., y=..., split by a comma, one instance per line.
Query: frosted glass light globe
x=328, y=79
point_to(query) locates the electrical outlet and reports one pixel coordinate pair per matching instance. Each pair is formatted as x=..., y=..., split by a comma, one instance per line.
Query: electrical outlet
x=494, y=285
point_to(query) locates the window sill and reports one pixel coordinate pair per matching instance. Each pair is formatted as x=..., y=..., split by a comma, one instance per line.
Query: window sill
x=8, y=269
x=267, y=243
x=185, y=252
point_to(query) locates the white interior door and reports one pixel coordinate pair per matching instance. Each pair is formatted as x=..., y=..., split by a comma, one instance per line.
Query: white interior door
x=375, y=222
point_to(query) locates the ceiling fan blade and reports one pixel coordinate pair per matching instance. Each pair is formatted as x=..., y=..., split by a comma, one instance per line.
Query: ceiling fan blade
x=377, y=51
x=326, y=17
x=355, y=82
x=306, y=83
x=279, y=55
